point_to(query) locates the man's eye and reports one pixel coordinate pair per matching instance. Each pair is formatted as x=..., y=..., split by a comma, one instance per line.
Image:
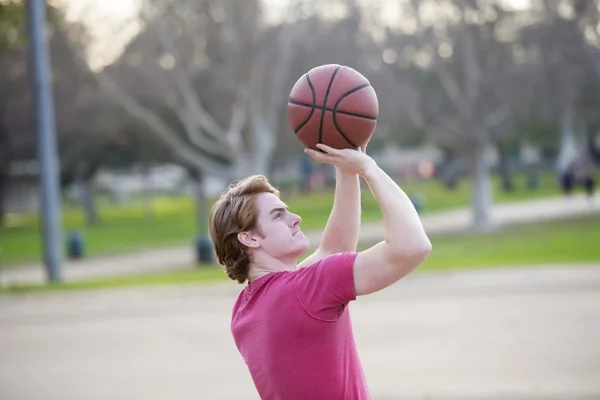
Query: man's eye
x=278, y=215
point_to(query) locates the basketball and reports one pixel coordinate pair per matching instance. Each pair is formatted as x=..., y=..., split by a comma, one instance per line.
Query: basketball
x=335, y=105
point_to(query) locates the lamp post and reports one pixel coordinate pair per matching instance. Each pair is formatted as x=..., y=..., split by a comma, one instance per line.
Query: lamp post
x=41, y=79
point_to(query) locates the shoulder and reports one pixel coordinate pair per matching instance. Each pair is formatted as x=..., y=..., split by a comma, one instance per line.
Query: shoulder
x=324, y=287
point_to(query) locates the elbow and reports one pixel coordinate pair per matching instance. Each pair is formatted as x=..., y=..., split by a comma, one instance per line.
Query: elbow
x=426, y=247
x=420, y=253
x=414, y=254
x=423, y=249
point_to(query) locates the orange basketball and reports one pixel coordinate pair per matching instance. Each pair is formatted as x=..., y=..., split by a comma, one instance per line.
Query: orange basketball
x=335, y=105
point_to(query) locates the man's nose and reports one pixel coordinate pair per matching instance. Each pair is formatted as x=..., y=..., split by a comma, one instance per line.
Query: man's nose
x=296, y=219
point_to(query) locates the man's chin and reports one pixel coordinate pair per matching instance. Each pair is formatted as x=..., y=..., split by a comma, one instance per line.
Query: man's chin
x=304, y=249
x=306, y=244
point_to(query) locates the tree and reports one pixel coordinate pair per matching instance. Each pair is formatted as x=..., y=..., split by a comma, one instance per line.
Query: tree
x=565, y=49
x=12, y=17
x=461, y=72
x=216, y=74
x=74, y=96
x=207, y=81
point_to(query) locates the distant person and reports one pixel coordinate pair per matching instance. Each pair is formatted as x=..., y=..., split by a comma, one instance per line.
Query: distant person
x=566, y=178
x=291, y=322
x=588, y=180
x=589, y=184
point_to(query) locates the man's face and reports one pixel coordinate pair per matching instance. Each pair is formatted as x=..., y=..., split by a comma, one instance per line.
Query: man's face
x=279, y=230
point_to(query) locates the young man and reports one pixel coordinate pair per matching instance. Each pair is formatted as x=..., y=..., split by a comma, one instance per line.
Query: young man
x=292, y=324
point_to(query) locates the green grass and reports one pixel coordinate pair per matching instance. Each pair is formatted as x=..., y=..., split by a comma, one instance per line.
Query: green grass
x=126, y=228
x=561, y=241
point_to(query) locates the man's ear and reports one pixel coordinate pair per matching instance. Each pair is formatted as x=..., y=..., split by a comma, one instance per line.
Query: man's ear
x=248, y=240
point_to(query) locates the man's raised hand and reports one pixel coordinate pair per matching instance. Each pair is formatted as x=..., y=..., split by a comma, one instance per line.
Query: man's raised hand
x=354, y=160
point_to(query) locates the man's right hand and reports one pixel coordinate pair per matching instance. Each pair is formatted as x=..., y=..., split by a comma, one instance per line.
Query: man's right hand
x=354, y=160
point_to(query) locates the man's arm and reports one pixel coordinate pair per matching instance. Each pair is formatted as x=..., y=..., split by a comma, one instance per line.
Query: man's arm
x=405, y=243
x=342, y=229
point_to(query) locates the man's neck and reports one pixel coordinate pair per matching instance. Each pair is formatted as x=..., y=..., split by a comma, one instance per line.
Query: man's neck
x=258, y=270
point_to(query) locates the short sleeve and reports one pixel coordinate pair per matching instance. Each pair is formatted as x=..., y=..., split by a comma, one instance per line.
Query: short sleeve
x=326, y=287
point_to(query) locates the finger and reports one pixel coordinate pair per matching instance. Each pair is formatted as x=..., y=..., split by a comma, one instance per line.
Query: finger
x=310, y=152
x=364, y=146
x=318, y=155
x=335, y=152
x=327, y=149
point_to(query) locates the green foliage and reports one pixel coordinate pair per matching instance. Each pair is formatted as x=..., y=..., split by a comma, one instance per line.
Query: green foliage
x=12, y=18
x=13, y=22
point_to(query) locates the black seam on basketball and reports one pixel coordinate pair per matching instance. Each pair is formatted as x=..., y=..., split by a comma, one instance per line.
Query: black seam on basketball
x=325, y=102
x=299, y=103
x=342, y=97
x=335, y=112
x=341, y=132
x=313, y=106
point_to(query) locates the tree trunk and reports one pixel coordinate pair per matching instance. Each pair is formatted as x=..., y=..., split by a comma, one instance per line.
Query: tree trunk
x=203, y=245
x=505, y=169
x=568, y=146
x=87, y=201
x=481, y=190
x=147, y=195
x=86, y=198
x=251, y=164
x=5, y=157
x=568, y=153
x=3, y=183
x=533, y=178
x=201, y=204
x=263, y=142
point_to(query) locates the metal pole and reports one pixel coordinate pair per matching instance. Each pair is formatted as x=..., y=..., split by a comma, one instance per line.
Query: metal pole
x=41, y=77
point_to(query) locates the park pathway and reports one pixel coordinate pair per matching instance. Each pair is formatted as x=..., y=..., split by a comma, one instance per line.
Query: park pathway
x=182, y=257
x=502, y=334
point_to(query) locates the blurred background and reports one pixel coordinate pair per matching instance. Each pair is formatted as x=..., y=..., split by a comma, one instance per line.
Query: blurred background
x=488, y=120
x=159, y=104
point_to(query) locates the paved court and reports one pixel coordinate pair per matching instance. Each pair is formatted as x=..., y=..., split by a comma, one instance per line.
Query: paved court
x=497, y=334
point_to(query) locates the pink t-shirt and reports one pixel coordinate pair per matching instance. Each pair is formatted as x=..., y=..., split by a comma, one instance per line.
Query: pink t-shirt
x=294, y=332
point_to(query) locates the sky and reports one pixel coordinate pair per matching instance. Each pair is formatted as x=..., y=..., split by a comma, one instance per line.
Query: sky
x=112, y=24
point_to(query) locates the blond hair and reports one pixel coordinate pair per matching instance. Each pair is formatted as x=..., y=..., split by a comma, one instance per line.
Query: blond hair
x=236, y=211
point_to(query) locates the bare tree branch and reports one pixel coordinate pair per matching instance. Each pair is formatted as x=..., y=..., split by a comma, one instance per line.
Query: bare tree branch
x=453, y=91
x=496, y=117
x=446, y=138
x=157, y=127
x=285, y=42
x=191, y=131
x=472, y=68
x=238, y=120
x=267, y=85
x=185, y=85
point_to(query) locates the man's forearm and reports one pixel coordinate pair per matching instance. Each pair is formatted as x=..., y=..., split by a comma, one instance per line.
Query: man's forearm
x=342, y=230
x=403, y=230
